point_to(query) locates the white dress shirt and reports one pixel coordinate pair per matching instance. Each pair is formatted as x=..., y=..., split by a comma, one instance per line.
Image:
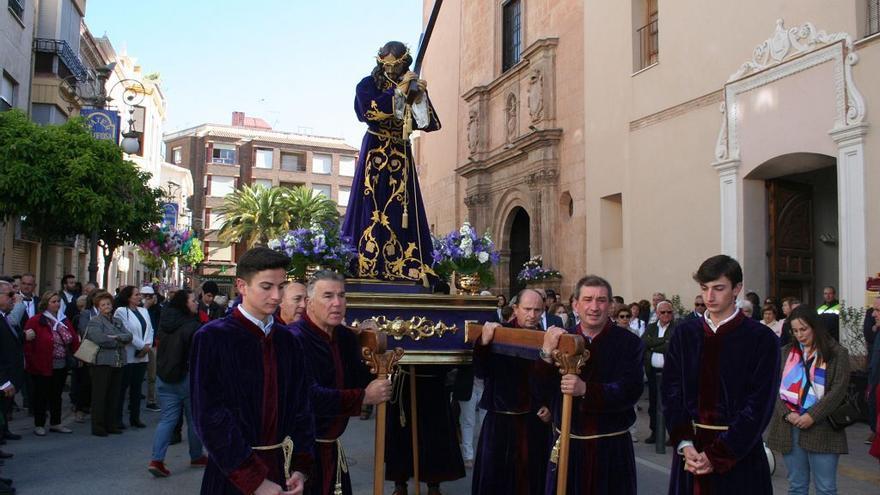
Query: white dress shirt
x=265, y=327
x=657, y=357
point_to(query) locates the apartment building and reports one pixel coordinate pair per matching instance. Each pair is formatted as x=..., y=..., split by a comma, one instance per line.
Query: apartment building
x=248, y=151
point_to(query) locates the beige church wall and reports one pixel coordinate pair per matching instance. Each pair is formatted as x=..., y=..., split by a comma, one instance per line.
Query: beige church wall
x=670, y=225
x=437, y=152
x=701, y=45
x=791, y=115
x=867, y=76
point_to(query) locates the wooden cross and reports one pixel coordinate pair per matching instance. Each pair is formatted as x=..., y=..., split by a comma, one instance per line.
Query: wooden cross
x=569, y=356
x=374, y=349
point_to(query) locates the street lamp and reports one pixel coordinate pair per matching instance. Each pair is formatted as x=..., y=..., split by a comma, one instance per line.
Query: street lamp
x=93, y=92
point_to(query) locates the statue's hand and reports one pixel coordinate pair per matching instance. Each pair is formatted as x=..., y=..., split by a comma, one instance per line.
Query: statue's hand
x=403, y=85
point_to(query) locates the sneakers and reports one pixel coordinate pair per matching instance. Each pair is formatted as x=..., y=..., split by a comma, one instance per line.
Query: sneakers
x=158, y=469
x=40, y=431
x=200, y=462
x=60, y=429
x=152, y=406
x=870, y=439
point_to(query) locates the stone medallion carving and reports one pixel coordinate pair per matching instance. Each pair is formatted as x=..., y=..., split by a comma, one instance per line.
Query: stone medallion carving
x=536, y=95
x=810, y=47
x=511, y=111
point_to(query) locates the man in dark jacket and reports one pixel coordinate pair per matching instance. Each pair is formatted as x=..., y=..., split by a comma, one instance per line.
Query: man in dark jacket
x=11, y=369
x=656, y=339
x=208, y=309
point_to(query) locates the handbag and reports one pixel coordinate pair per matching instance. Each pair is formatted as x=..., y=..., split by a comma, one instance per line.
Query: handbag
x=846, y=414
x=88, y=350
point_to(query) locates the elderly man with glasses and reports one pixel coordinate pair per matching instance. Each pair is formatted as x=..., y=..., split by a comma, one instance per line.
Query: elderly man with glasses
x=656, y=340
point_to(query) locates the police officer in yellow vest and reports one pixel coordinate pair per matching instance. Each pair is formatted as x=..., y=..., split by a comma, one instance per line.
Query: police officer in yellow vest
x=830, y=305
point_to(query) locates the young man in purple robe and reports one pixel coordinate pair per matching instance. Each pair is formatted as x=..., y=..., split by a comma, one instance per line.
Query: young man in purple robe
x=601, y=458
x=250, y=390
x=720, y=382
x=515, y=437
x=342, y=382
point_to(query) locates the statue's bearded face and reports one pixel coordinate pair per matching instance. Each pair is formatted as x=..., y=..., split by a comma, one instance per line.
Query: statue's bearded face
x=394, y=71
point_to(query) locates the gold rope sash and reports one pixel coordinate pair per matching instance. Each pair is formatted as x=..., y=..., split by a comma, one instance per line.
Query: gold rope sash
x=341, y=465
x=554, y=454
x=286, y=447
x=699, y=426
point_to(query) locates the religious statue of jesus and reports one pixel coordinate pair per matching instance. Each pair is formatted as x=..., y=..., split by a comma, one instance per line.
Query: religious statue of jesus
x=386, y=216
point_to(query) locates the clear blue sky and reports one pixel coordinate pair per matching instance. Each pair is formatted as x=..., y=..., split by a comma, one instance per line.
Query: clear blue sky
x=294, y=63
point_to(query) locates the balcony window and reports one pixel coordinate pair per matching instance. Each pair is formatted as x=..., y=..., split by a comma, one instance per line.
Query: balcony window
x=177, y=155
x=646, y=42
x=219, y=252
x=342, y=196
x=511, y=37
x=7, y=92
x=17, y=8
x=266, y=183
x=292, y=162
x=223, y=153
x=346, y=166
x=263, y=159
x=215, y=221
x=221, y=185
x=323, y=189
x=872, y=18
x=321, y=164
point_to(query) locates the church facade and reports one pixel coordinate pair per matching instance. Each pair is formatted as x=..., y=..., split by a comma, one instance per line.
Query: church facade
x=634, y=139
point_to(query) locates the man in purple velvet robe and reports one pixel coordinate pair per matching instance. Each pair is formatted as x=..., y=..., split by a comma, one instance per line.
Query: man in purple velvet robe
x=514, y=442
x=719, y=387
x=605, y=392
x=250, y=389
x=341, y=380
x=385, y=217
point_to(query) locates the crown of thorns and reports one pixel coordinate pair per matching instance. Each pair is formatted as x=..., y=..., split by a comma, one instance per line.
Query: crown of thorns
x=390, y=59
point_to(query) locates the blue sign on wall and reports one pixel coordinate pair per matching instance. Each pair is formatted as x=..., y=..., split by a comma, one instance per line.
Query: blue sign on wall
x=103, y=123
x=169, y=214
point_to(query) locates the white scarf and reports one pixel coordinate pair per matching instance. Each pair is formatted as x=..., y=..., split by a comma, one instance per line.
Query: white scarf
x=55, y=321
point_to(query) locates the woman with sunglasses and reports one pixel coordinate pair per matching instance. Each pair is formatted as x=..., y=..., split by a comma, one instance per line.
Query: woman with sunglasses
x=815, y=378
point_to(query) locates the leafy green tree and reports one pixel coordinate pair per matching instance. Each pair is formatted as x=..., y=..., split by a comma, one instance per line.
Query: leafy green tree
x=307, y=207
x=136, y=207
x=255, y=215
x=64, y=182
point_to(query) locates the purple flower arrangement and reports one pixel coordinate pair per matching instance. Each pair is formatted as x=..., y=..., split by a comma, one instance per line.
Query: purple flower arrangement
x=319, y=245
x=465, y=252
x=534, y=271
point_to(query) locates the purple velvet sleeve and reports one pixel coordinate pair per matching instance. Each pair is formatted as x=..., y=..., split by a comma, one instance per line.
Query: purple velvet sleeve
x=372, y=104
x=214, y=420
x=621, y=393
x=299, y=419
x=746, y=429
x=674, y=403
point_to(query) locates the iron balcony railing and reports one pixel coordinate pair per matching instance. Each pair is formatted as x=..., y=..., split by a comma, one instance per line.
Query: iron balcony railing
x=648, y=46
x=17, y=8
x=65, y=53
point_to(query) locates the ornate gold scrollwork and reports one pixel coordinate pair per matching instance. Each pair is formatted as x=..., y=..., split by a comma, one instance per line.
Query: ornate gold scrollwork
x=416, y=328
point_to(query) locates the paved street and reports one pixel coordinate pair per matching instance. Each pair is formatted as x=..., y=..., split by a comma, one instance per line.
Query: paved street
x=80, y=463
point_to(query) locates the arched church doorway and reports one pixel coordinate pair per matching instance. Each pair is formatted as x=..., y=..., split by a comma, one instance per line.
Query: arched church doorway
x=802, y=225
x=520, y=246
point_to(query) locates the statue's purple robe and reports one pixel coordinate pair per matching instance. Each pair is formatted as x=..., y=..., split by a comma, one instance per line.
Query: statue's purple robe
x=439, y=452
x=613, y=376
x=249, y=389
x=514, y=443
x=385, y=181
x=337, y=393
x=729, y=378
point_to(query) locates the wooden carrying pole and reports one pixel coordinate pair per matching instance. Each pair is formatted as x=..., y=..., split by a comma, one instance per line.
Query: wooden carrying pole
x=569, y=356
x=414, y=426
x=382, y=364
